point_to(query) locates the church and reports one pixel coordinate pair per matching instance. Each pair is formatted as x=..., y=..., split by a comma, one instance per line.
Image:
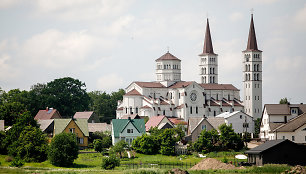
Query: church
x=172, y=97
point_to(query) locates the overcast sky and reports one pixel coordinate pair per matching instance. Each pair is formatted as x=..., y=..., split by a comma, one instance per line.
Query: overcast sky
x=109, y=43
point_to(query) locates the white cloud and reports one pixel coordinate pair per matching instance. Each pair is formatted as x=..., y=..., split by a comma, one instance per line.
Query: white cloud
x=7, y=72
x=236, y=16
x=300, y=18
x=53, y=48
x=110, y=82
x=8, y=3
x=261, y=2
x=82, y=9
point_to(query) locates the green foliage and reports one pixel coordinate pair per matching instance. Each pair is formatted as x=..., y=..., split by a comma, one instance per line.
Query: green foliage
x=146, y=144
x=2, y=143
x=179, y=132
x=63, y=149
x=119, y=147
x=110, y=162
x=104, y=104
x=105, y=137
x=30, y=146
x=224, y=160
x=284, y=101
x=208, y=141
x=9, y=112
x=229, y=139
x=168, y=140
x=147, y=171
x=98, y=145
x=17, y=162
x=257, y=127
x=8, y=159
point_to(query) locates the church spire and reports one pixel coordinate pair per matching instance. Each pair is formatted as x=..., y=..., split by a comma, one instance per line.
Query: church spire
x=252, y=43
x=208, y=48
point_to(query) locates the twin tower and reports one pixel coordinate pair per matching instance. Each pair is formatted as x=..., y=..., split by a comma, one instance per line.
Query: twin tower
x=252, y=70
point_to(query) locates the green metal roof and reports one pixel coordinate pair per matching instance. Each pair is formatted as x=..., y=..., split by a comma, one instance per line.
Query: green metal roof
x=120, y=124
x=61, y=124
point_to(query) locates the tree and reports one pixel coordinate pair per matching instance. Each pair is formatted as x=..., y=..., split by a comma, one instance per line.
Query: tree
x=229, y=139
x=119, y=147
x=284, y=101
x=98, y=145
x=208, y=141
x=66, y=94
x=9, y=112
x=2, y=144
x=168, y=141
x=110, y=162
x=146, y=144
x=257, y=126
x=63, y=149
x=30, y=146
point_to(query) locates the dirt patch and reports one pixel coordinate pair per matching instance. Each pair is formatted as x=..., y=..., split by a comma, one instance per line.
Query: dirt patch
x=211, y=163
x=297, y=169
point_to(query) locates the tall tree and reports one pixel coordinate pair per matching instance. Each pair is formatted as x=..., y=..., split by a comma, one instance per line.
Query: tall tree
x=68, y=95
x=284, y=101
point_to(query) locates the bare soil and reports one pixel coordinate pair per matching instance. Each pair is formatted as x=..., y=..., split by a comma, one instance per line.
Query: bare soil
x=211, y=163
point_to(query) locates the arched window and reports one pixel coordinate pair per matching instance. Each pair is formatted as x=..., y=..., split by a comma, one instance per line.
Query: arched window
x=196, y=110
x=258, y=76
x=254, y=77
x=246, y=67
x=249, y=77
x=246, y=77
x=255, y=67
x=214, y=79
x=258, y=67
x=171, y=95
x=210, y=79
x=190, y=109
x=213, y=70
x=210, y=71
x=214, y=113
x=136, y=110
x=204, y=70
x=249, y=68
x=164, y=112
x=205, y=79
x=228, y=97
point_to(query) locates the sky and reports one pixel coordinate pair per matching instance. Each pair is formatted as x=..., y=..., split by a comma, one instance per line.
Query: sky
x=107, y=44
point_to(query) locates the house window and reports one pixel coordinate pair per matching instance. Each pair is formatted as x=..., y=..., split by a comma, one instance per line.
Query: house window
x=136, y=110
x=81, y=140
x=190, y=110
x=293, y=138
x=129, y=130
x=203, y=127
x=164, y=112
x=72, y=130
x=196, y=110
x=240, y=116
x=215, y=113
x=245, y=125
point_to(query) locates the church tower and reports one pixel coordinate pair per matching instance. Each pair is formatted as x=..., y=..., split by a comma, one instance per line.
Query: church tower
x=252, y=71
x=208, y=60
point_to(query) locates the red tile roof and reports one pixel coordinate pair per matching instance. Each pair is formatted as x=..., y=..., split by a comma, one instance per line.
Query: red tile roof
x=213, y=103
x=47, y=114
x=154, y=122
x=177, y=121
x=213, y=86
x=180, y=106
x=167, y=56
x=150, y=84
x=121, y=108
x=132, y=92
x=86, y=114
x=237, y=104
x=225, y=103
x=146, y=107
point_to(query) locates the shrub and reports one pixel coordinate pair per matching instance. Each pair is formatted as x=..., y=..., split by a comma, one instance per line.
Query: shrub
x=224, y=160
x=98, y=145
x=119, y=147
x=8, y=159
x=110, y=162
x=17, y=162
x=63, y=150
x=146, y=144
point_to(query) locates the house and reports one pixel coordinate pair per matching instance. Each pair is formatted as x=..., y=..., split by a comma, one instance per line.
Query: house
x=197, y=124
x=98, y=127
x=294, y=130
x=89, y=115
x=132, y=116
x=161, y=122
x=277, y=152
x=1, y=125
x=79, y=127
x=47, y=126
x=127, y=129
x=275, y=115
x=240, y=121
x=48, y=113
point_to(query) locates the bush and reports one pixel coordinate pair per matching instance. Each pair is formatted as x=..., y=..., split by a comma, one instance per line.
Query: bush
x=17, y=162
x=63, y=150
x=110, y=162
x=146, y=144
x=8, y=159
x=98, y=145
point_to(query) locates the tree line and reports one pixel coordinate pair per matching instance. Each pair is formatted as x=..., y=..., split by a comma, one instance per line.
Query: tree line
x=67, y=95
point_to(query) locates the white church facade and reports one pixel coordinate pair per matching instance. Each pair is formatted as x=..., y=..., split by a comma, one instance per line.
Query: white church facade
x=172, y=97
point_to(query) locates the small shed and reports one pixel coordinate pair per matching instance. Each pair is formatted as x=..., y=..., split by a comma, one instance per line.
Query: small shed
x=277, y=152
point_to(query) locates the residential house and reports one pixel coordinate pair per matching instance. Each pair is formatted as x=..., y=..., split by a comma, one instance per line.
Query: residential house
x=197, y=124
x=1, y=125
x=277, y=152
x=99, y=127
x=161, y=122
x=127, y=129
x=48, y=113
x=47, y=126
x=89, y=115
x=79, y=127
x=240, y=121
x=275, y=115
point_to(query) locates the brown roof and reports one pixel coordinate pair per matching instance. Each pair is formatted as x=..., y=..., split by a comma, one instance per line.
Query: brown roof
x=224, y=103
x=293, y=124
x=146, y=107
x=216, y=121
x=121, y=108
x=132, y=92
x=47, y=114
x=177, y=121
x=237, y=103
x=277, y=109
x=150, y=84
x=252, y=43
x=154, y=122
x=85, y=114
x=193, y=122
x=213, y=103
x=213, y=86
x=180, y=106
x=132, y=116
x=167, y=56
x=274, y=125
x=180, y=84
x=208, y=48
x=98, y=127
x=44, y=124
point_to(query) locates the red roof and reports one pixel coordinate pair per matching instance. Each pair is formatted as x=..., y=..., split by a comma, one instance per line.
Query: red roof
x=167, y=56
x=180, y=106
x=252, y=43
x=85, y=114
x=180, y=85
x=208, y=48
x=47, y=114
x=150, y=84
x=132, y=92
x=177, y=121
x=237, y=104
x=154, y=122
x=213, y=86
x=146, y=107
x=225, y=103
x=213, y=103
x=121, y=108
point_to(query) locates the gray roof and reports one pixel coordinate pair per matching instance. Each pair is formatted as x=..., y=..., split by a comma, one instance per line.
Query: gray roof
x=99, y=127
x=284, y=109
x=44, y=124
x=1, y=125
x=274, y=126
x=85, y=114
x=265, y=146
x=293, y=124
x=193, y=122
x=216, y=121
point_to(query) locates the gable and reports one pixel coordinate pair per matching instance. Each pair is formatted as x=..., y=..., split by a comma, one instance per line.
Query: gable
x=118, y=125
x=61, y=125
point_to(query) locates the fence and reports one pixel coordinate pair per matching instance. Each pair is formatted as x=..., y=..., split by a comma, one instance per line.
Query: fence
x=155, y=165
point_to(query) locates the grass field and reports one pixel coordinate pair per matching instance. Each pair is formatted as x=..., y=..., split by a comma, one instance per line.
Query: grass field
x=91, y=163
